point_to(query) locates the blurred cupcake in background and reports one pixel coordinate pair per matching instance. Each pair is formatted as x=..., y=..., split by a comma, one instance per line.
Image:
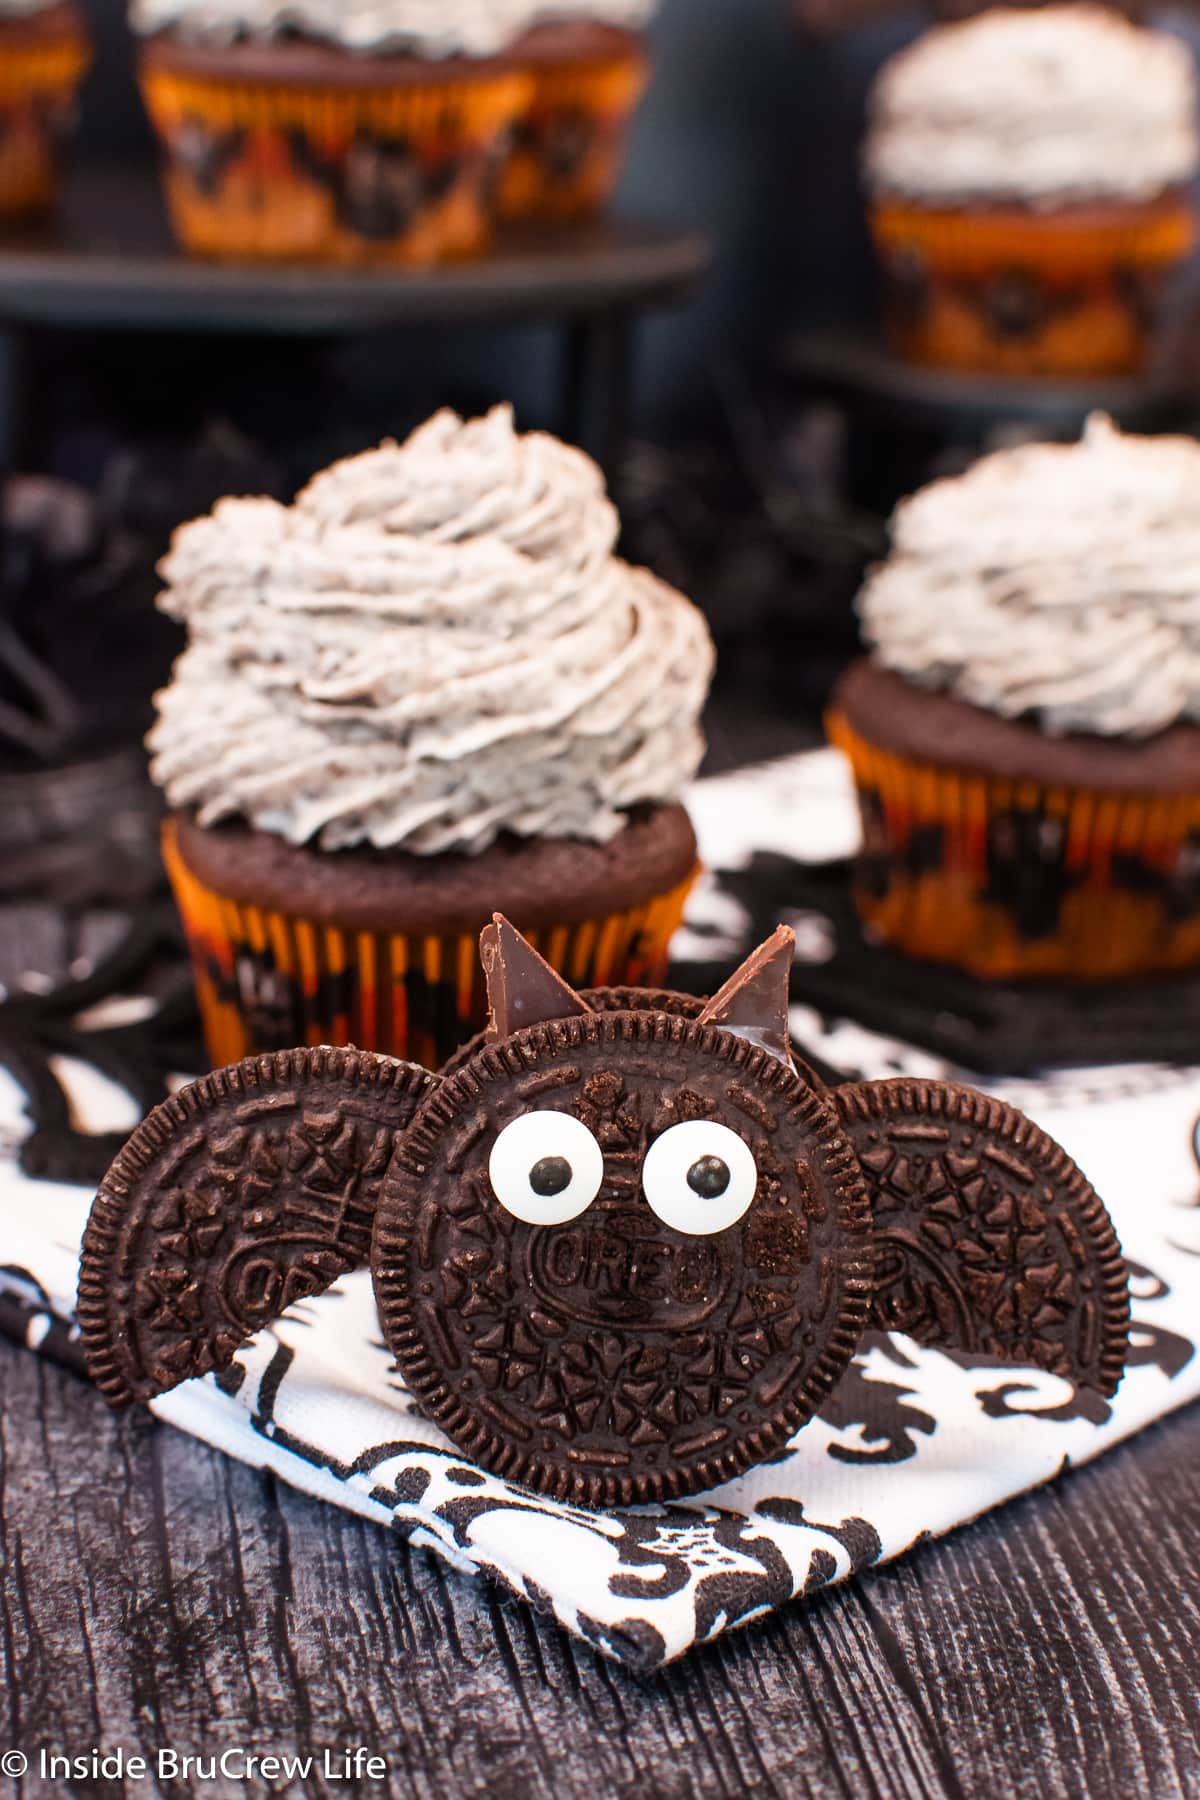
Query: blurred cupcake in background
x=424, y=692
x=1027, y=174
x=1025, y=737
x=337, y=131
x=589, y=64
x=44, y=55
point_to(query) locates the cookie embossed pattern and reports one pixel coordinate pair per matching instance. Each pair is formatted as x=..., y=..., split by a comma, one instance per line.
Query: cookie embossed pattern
x=238, y=1197
x=921, y=1432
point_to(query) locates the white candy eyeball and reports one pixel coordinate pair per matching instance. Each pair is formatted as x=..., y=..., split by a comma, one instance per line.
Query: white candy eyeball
x=699, y=1177
x=546, y=1168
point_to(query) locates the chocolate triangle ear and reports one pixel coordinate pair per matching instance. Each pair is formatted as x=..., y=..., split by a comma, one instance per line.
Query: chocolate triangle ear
x=252, y=1188
x=753, y=1004
x=988, y=1238
x=522, y=987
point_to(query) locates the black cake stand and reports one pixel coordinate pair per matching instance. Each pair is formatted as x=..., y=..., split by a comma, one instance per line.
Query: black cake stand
x=853, y=363
x=911, y=423
x=108, y=262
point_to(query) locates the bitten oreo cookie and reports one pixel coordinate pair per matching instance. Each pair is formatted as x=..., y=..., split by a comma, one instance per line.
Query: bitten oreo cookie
x=989, y=1239
x=250, y=1189
x=622, y=1256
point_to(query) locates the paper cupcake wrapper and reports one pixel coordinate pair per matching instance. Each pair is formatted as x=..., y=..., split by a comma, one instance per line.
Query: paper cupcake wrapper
x=1009, y=879
x=1062, y=244
x=38, y=84
x=333, y=174
x=268, y=980
x=569, y=143
x=1028, y=293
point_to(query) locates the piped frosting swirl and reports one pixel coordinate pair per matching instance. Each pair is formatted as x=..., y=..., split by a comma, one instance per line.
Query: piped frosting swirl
x=1056, y=582
x=434, y=644
x=1036, y=106
x=433, y=28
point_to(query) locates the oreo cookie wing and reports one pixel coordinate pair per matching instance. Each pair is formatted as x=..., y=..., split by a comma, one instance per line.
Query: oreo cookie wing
x=989, y=1239
x=622, y=1256
x=252, y=1188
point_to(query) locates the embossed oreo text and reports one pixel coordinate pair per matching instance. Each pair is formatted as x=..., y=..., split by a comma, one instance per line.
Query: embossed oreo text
x=610, y=1265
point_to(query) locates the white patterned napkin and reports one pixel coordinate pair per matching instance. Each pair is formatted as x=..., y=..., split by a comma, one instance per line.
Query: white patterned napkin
x=912, y=1443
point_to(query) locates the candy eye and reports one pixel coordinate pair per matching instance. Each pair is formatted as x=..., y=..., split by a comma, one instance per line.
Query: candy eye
x=699, y=1177
x=546, y=1168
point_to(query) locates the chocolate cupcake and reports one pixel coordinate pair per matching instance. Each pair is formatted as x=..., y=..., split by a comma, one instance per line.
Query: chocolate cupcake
x=44, y=55
x=332, y=130
x=1026, y=737
x=424, y=692
x=588, y=64
x=1027, y=173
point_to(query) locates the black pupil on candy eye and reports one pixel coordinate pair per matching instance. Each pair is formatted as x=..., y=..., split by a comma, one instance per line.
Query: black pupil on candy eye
x=550, y=1176
x=709, y=1177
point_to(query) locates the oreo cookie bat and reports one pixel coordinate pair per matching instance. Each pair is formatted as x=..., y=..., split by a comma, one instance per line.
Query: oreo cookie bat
x=622, y=1248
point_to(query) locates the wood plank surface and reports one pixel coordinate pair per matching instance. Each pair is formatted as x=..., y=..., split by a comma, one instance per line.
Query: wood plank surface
x=156, y=1594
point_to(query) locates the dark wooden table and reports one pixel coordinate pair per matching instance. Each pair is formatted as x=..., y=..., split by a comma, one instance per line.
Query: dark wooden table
x=156, y=1594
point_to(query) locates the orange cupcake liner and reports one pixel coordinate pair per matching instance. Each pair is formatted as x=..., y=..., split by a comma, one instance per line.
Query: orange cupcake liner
x=1060, y=244
x=569, y=142
x=267, y=980
x=1012, y=879
x=1019, y=292
x=397, y=174
x=38, y=84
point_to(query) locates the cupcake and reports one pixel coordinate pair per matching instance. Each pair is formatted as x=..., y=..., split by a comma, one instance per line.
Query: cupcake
x=1028, y=174
x=44, y=56
x=339, y=131
x=589, y=67
x=1025, y=738
x=425, y=692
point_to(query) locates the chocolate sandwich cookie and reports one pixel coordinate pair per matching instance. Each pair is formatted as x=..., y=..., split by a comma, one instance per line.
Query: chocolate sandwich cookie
x=250, y=1189
x=989, y=1239
x=622, y=1256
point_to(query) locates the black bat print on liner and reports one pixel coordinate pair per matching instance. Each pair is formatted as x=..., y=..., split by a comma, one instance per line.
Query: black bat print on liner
x=623, y=1248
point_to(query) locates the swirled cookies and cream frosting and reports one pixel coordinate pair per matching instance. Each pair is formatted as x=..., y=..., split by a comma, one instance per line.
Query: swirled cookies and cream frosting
x=434, y=644
x=1058, y=583
x=1036, y=107
x=432, y=28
